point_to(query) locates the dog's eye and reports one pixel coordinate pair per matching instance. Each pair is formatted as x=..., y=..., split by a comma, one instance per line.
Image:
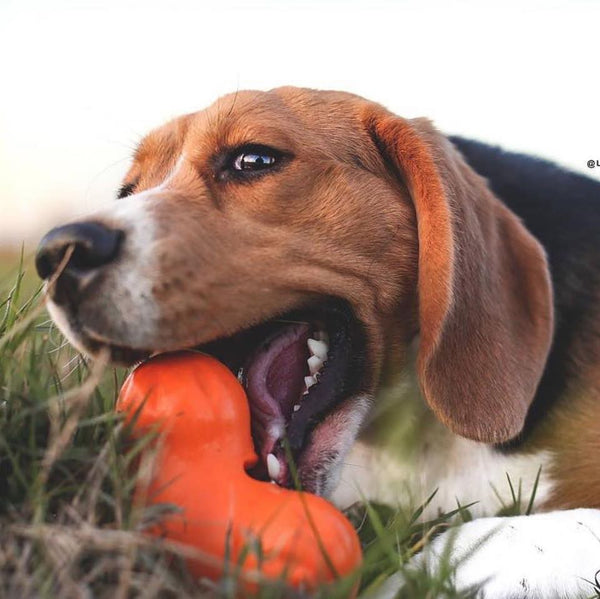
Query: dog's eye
x=246, y=163
x=254, y=159
x=253, y=162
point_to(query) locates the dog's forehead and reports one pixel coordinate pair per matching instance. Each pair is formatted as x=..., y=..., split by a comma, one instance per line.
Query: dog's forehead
x=287, y=118
x=286, y=107
x=243, y=117
x=283, y=116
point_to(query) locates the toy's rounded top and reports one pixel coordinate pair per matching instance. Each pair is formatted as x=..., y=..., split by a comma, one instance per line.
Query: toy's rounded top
x=186, y=396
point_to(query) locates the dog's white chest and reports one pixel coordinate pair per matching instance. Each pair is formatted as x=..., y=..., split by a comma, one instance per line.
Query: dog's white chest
x=397, y=472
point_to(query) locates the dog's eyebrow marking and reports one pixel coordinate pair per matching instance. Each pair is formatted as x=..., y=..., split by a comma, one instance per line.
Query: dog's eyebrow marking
x=126, y=190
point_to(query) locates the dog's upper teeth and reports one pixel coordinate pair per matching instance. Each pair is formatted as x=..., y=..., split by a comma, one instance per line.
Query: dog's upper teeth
x=273, y=466
x=318, y=354
x=314, y=364
x=309, y=381
x=318, y=348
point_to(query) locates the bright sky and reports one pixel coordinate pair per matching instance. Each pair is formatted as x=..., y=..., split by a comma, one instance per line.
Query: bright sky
x=82, y=81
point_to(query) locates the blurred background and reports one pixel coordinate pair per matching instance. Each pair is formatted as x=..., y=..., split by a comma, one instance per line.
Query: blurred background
x=83, y=81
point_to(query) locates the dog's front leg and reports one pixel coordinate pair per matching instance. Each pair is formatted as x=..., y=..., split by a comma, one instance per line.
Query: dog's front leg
x=553, y=555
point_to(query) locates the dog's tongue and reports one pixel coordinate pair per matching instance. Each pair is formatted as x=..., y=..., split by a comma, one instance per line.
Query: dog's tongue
x=274, y=377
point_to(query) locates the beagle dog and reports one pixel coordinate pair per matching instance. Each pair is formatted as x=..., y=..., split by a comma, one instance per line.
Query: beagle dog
x=406, y=311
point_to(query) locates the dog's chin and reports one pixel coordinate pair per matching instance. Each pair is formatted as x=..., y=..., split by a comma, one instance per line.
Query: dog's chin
x=93, y=345
x=304, y=373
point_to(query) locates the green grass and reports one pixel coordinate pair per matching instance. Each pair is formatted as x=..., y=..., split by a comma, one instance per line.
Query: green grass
x=68, y=527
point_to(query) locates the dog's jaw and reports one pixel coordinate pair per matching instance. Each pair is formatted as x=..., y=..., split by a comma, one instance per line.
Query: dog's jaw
x=321, y=462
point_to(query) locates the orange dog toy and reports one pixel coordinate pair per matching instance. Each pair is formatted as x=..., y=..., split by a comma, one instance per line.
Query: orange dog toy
x=203, y=416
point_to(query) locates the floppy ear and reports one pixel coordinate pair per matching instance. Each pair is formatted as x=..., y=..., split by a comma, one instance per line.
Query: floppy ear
x=485, y=299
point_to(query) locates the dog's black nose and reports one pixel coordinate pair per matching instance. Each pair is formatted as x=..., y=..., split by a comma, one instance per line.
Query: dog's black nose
x=93, y=244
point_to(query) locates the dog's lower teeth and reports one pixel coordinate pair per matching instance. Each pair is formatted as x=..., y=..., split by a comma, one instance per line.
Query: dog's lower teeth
x=314, y=364
x=297, y=406
x=273, y=466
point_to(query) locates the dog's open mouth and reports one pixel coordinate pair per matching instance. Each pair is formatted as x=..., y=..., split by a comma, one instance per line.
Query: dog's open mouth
x=295, y=369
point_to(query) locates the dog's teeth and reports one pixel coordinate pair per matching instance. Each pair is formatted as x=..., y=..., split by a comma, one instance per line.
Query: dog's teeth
x=297, y=406
x=240, y=375
x=309, y=381
x=273, y=466
x=314, y=364
x=318, y=348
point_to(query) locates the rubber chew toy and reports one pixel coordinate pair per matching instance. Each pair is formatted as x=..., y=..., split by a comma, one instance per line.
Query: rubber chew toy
x=202, y=414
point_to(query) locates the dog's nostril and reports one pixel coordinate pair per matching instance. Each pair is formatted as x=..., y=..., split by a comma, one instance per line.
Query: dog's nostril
x=94, y=245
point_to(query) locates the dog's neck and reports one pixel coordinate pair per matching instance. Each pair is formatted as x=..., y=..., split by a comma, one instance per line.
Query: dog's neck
x=405, y=454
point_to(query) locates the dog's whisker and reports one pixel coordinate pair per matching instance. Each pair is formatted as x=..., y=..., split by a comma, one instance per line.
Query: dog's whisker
x=351, y=465
x=77, y=363
x=59, y=347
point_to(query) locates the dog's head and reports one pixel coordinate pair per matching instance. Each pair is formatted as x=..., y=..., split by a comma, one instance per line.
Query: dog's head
x=305, y=238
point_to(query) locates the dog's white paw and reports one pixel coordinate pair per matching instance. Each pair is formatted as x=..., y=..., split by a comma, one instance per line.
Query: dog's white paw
x=545, y=556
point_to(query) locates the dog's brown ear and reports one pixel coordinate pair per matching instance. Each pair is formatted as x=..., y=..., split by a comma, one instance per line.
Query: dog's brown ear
x=485, y=299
